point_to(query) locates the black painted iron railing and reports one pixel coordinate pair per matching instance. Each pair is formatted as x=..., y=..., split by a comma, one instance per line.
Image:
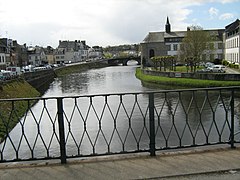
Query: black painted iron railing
x=91, y=125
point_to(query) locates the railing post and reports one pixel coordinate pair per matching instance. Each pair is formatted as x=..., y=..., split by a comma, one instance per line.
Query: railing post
x=232, y=120
x=61, y=130
x=152, y=125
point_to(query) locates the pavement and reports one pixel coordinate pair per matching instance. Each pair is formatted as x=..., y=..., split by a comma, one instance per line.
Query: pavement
x=232, y=71
x=214, y=163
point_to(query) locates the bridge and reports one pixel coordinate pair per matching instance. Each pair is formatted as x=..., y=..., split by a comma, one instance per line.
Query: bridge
x=121, y=123
x=123, y=60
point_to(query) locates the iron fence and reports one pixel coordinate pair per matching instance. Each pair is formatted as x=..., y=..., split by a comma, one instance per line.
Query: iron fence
x=104, y=124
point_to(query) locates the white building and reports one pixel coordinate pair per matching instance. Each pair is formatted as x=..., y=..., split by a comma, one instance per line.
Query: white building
x=71, y=51
x=232, y=42
x=36, y=55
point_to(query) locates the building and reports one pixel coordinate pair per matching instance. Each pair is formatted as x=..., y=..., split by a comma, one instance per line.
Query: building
x=49, y=52
x=71, y=51
x=95, y=52
x=232, y=42
x=168, y=43
x=2, y=56
x=6, y=52
x=36, y=56
x=19, y=54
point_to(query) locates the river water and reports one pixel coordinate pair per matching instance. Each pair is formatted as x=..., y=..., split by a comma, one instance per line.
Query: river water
x=104, y=124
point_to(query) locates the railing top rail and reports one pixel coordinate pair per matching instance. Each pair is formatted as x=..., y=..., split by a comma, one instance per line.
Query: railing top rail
x=126, y=93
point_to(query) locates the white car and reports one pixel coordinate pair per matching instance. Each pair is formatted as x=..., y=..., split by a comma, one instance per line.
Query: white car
x=217, y=69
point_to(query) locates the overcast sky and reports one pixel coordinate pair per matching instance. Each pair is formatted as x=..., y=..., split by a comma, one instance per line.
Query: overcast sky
x=107, y=22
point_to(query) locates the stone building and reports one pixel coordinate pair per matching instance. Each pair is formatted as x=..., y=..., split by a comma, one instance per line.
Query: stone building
x=20, y=54
x=168, y=43
x=5, y=52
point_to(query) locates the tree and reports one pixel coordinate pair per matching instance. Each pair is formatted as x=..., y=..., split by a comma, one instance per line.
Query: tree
x=165, y=62
x=193, y=46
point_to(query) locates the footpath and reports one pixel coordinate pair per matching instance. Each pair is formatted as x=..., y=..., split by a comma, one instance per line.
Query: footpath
x=221, y=163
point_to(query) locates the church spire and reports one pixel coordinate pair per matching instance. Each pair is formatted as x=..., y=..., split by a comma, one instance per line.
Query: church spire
x=168, y=26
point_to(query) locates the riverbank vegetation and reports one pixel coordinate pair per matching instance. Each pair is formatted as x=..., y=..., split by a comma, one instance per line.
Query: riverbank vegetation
x=183, y=82
x=12, y=111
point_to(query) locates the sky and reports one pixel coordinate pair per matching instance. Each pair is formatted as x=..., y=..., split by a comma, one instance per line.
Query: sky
x=107, y=22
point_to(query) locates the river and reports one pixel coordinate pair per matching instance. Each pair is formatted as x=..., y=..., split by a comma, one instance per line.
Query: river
x=122, y=127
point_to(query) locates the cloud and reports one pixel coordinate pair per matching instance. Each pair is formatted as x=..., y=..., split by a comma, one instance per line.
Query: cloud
x=226, y=16
x=228, y=1
x=213, y=12
x=105, y=22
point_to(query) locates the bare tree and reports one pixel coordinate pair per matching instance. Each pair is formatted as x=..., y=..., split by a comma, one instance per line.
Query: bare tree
x=193, y=46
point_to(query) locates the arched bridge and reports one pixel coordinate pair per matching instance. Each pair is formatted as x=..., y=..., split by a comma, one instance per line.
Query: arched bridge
x=123, y=60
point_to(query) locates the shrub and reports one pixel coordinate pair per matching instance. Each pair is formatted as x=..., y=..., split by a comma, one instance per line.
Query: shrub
x=225, y=63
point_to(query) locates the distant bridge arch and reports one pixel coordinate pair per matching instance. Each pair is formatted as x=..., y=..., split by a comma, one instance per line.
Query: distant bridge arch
x=123, y=60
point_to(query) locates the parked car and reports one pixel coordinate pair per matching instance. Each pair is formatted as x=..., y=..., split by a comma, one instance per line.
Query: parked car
x=217, y=69
x=209, y=64
x=5, y=75
x=15, y=71
x=205, y=70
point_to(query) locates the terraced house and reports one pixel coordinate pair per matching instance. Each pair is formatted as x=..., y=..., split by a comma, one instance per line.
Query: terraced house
x=232, y=48
x=74, y=51
x=169, y=42
x=12, y=53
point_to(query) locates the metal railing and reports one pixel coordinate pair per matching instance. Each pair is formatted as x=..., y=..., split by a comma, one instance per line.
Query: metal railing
x=104, y=124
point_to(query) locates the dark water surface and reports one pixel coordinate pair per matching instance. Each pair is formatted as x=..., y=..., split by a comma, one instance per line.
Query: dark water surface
x=102, y=124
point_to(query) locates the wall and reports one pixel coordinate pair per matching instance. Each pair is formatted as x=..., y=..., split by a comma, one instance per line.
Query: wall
x=40, y=79
x=204, y=76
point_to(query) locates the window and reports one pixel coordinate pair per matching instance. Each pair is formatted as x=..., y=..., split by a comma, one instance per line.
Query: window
x=175, y=47
x=0, y=59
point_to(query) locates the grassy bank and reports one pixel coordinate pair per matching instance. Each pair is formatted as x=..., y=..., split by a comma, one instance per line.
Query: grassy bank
x=183, y=82
x=10, y=113
x=78, y=68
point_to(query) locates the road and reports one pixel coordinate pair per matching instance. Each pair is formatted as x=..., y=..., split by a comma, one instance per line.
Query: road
x=232, y=71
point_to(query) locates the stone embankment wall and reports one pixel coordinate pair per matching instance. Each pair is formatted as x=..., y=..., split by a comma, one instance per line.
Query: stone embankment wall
x=40, y=79
x=204, y=76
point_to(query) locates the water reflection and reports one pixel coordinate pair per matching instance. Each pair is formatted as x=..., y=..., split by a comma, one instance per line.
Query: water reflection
x=102, y=124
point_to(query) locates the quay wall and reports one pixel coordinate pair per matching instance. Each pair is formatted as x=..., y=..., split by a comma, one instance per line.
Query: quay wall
x=40, y=79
